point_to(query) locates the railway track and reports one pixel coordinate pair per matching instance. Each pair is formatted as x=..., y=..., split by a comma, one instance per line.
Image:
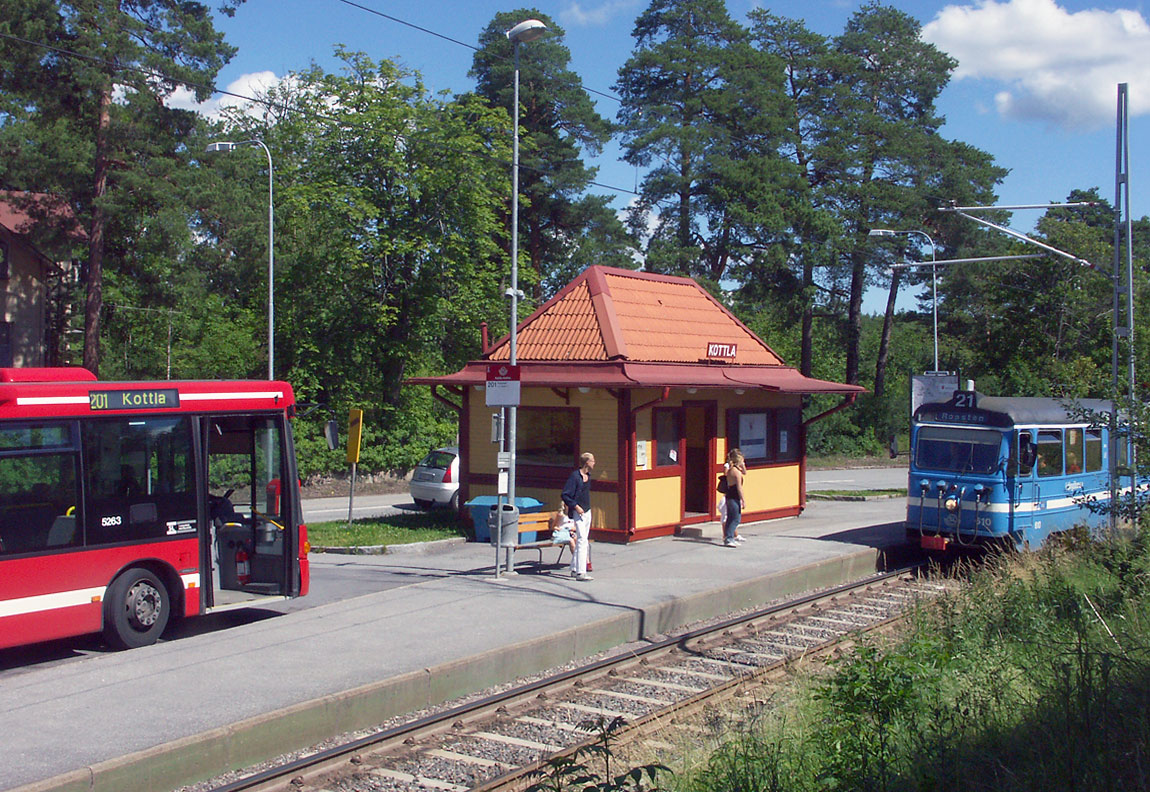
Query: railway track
x=496, y=742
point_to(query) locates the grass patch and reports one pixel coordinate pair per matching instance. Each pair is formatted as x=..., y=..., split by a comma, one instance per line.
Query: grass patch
x=862, y=493
x=395, y=529
x=1035, y=676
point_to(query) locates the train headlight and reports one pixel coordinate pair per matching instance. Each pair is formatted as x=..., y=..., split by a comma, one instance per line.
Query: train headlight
x=951, y=504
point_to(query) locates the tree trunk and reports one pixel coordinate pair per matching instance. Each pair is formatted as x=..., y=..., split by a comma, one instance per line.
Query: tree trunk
x=806, y=355
x=95, y=299
x=884, y=343
x=854, y=315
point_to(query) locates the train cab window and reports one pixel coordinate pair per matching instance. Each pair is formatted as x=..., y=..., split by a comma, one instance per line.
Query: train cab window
x=1093, y=450
x=1074, y=451
x=1050, y=452
x=958, y=450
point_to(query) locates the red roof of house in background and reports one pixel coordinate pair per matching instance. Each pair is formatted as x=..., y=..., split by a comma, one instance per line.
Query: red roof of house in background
x=617, y=314
x=618, y=328
x=20, y=211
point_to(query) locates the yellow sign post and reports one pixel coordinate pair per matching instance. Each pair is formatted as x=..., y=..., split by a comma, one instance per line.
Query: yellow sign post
x=354, y=434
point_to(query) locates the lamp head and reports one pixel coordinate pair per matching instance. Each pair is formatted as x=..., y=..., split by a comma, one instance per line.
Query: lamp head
x=527, y=30
x=880, y=232
x=223, y=145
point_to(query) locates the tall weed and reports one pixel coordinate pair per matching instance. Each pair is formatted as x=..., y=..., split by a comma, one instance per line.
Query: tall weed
x=1035, y=676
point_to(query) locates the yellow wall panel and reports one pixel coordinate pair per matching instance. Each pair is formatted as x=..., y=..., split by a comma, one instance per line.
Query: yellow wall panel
x=771, y=488
x=657, y=501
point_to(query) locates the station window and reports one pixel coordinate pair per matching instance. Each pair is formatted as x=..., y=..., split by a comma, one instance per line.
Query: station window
x=547, y=436
x=668, y=437
x=1049, y=452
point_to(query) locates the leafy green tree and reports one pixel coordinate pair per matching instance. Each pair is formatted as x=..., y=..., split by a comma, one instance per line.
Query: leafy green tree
x=389, y=240
x=82, y=113
x=680, y=116
x=562, y=230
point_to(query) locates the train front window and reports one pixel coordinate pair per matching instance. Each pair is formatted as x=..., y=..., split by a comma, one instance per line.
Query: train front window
x=958, y=450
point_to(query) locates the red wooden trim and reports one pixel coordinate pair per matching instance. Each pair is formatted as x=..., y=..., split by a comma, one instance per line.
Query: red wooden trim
x=439, y=397
x=666, y=395
x=653, y=532
x=625, y=448
x=464, y=447
x=552, y=478
x=610, y=535
x=659, y=473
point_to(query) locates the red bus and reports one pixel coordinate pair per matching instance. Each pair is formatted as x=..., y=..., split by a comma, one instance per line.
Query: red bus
x=125, y=505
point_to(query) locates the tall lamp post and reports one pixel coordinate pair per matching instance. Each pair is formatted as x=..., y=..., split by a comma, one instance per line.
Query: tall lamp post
x=887, y=232
x=525, y=31
x=225, y=145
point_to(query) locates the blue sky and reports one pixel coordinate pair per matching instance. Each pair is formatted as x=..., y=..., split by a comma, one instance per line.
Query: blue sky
x=1036, y=84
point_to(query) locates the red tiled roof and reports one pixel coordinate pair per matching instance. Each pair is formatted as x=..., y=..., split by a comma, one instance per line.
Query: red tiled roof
x=18, y=210
x=610, y=314
x=616, y=328
x=620, y=374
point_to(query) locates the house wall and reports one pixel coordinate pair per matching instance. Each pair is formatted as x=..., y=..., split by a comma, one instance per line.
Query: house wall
x=771, y=488
x=653, y=497
x=23, y=304
x=598, y=420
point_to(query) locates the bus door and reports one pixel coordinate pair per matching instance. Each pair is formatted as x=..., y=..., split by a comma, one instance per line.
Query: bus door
x=249, y=532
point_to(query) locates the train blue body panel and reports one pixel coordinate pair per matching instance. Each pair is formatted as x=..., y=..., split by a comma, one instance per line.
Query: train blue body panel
x=1005, y=471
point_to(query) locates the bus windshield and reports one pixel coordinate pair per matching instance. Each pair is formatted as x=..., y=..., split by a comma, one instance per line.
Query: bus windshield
x=958, y=450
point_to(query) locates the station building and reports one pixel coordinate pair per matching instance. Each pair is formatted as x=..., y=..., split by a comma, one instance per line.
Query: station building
x=657, y=379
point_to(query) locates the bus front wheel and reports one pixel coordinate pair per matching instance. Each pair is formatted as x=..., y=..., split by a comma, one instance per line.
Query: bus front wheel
x=136, y=610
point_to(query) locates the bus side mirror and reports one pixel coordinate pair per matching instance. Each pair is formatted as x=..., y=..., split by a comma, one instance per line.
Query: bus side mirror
x=893, y=446
x=331, y=434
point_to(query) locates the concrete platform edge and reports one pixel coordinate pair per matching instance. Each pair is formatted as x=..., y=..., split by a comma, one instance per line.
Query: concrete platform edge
x=253, y=740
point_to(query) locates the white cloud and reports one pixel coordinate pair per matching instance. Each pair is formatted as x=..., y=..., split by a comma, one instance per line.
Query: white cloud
x=575, y=15
x=1059, y=67
x=239, y=92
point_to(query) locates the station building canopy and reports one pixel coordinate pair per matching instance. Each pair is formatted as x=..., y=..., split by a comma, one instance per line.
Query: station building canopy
x=618, y=328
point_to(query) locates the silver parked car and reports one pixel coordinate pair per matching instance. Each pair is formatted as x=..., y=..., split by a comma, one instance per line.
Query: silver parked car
x=435, y=480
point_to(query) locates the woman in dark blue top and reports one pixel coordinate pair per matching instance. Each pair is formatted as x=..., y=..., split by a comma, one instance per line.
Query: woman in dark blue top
x=577, y=500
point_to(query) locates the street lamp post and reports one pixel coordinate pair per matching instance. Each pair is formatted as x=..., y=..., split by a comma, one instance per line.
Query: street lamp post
x=887, y=232
x=528, y=30
x=225, y=145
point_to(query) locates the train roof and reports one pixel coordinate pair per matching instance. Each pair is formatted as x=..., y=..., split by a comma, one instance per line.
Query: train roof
x=1010, y=410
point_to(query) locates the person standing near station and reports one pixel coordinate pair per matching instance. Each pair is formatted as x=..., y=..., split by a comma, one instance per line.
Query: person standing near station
x=577, y=499
x=736, y=470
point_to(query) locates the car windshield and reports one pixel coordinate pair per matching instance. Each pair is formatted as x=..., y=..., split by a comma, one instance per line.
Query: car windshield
x=957, y=450
x=440, y=460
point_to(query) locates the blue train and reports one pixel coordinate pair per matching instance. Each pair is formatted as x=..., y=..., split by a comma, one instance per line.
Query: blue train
x=988, y=470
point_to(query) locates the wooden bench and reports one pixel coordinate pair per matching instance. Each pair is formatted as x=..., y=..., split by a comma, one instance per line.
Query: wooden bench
x=540, y=523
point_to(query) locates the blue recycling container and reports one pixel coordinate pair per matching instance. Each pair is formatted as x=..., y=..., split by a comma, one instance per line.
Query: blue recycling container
x=480, y=508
